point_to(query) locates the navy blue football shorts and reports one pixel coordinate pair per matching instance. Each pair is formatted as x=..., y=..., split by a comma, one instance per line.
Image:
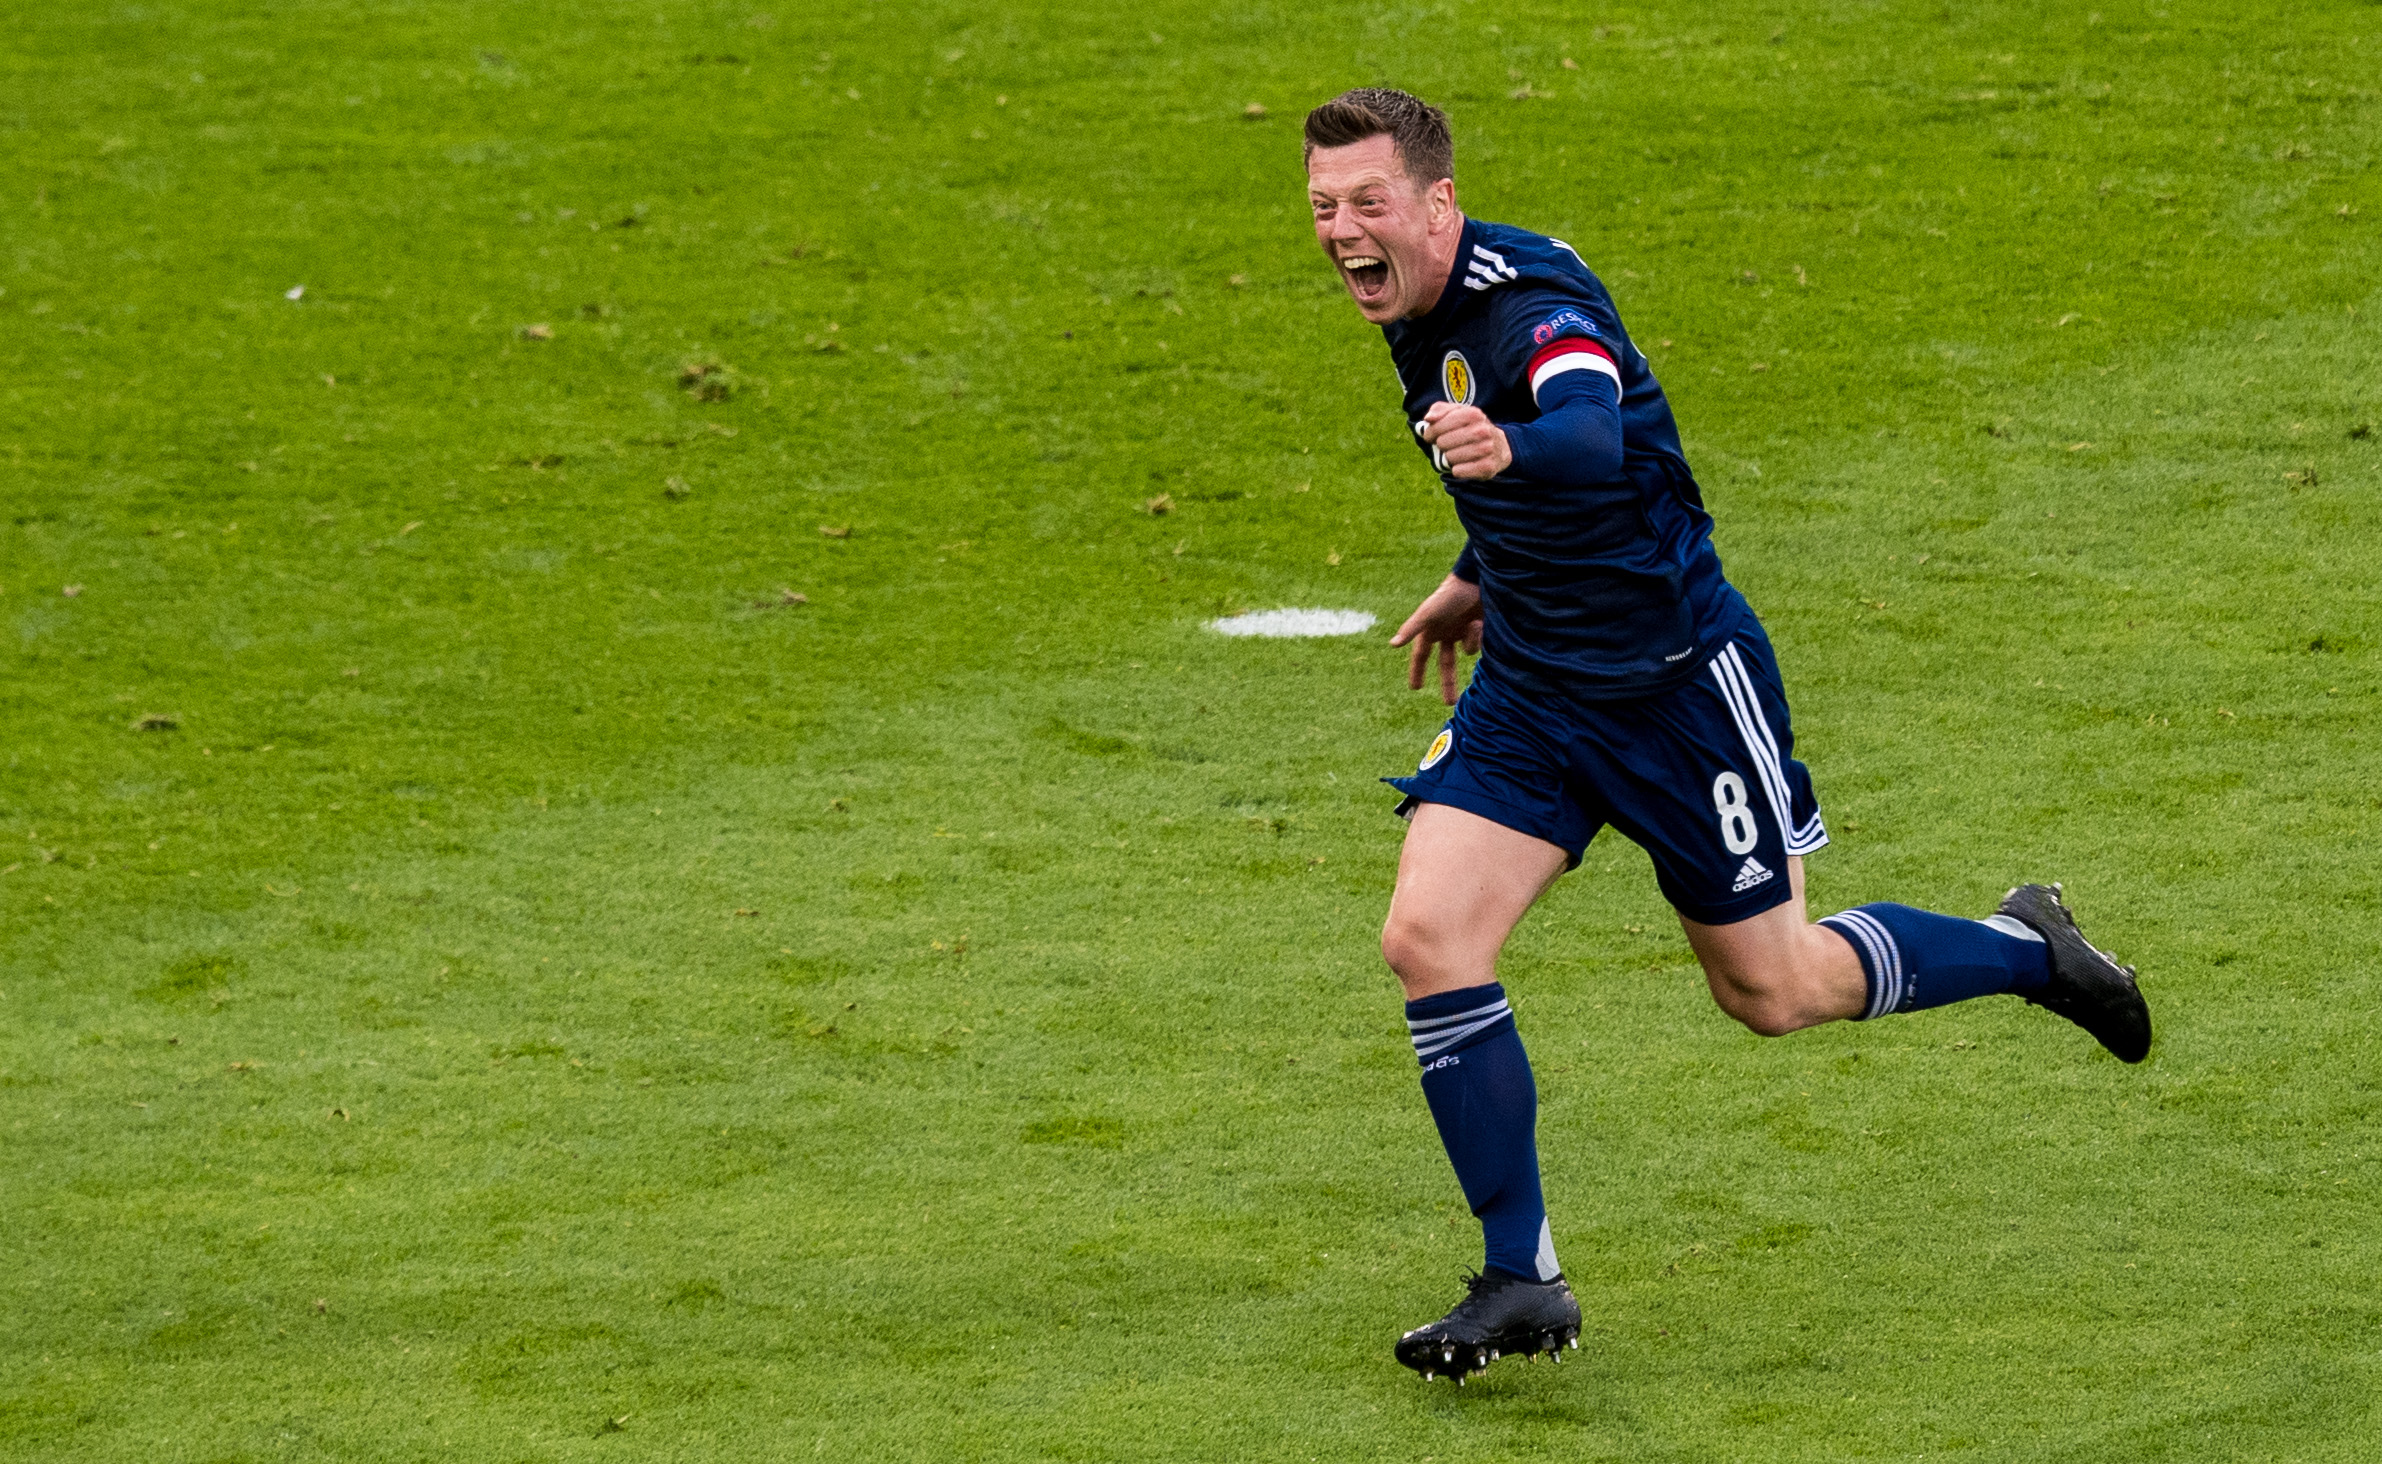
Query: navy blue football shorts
x=1702, y=778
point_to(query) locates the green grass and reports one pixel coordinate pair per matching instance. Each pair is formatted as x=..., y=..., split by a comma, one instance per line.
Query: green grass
x=547, y=998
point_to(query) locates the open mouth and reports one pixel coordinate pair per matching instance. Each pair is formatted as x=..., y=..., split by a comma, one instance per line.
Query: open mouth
x=1368, y=275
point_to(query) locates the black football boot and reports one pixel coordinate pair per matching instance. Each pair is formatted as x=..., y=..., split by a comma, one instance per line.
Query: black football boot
x=2087, y=987
x=1499, y=1314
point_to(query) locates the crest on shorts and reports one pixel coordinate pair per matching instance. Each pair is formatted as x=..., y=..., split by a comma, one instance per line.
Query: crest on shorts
x=1439, y=749
x=1455, y=374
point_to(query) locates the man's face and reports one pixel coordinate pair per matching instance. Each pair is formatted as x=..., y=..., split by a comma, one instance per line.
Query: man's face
x=1379, y=227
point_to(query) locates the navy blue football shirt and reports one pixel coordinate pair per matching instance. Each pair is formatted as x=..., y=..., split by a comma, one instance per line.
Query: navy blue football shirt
x=1596, y=590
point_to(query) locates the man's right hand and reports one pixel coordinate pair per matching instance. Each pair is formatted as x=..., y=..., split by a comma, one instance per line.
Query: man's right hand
x=1449, y=619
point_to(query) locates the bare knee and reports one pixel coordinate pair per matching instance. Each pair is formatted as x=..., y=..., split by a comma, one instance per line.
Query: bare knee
x=1768, y=1002
x=1763, y=1013
x=1778, y=975
x=1429, y=956
x=1409, y=946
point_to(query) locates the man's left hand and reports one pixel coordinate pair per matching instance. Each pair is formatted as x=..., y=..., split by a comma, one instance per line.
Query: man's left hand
x=1472, y=445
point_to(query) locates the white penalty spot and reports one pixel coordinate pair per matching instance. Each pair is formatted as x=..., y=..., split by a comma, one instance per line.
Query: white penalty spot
x=1294, y=624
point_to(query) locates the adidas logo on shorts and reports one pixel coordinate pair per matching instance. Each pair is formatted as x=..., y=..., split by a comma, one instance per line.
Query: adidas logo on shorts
x=1752, y=874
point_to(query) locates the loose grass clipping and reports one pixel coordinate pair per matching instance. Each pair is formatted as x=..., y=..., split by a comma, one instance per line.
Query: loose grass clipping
x=707, y=381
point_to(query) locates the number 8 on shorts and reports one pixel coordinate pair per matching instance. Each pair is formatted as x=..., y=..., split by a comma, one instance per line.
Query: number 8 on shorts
x=1737, y=828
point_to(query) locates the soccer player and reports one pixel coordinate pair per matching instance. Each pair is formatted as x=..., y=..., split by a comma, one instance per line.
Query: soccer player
x=1622, y=680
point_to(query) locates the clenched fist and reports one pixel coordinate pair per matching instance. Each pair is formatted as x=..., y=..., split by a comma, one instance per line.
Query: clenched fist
x=1469, y=443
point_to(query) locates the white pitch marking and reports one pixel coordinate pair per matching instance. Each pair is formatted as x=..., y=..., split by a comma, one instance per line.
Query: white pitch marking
x=1294, y=624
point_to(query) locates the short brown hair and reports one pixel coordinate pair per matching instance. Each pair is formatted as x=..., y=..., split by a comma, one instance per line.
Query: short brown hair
x=1417, y=128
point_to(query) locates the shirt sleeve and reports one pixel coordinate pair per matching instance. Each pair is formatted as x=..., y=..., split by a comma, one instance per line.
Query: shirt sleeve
x=1577, y=437
x=1567, y=347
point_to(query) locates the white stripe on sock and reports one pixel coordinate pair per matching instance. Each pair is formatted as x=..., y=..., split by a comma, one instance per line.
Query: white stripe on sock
x=1896, y=979
x=1885, y=959
x=1434, y=1035
x=1874, y=967
x=1439, y=1042
x=1426, y=1024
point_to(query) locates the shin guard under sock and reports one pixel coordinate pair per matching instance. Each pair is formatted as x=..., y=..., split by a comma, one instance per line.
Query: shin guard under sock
x=1915, y=959
x=1477, y=1080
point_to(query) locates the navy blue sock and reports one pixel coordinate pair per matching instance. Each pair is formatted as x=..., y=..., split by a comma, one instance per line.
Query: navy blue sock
x=1916, y=959
x=1477, y=1080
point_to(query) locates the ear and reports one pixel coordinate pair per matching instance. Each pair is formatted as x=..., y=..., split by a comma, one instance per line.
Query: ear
x=1442, y=204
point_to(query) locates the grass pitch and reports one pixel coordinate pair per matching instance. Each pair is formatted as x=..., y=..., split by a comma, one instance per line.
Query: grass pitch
x=630, y=847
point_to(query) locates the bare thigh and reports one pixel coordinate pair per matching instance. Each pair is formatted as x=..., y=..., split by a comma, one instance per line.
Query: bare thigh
x=1464, y=883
